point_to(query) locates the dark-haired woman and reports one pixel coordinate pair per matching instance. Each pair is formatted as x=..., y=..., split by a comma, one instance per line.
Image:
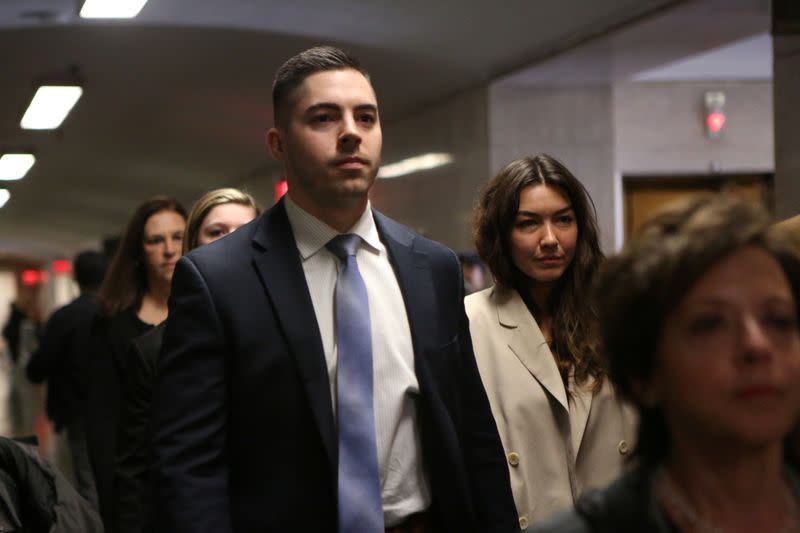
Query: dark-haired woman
x=714, y=372
x=133, y=298
x=216, y=214
x=534, y=336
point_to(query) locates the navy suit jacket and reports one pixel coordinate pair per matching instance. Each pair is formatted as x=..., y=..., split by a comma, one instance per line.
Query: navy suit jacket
x=245, y=436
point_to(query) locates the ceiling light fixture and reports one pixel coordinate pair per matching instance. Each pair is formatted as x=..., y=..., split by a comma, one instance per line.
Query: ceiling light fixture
x=415, y=164
x=15, y=166
x=111, y=9
x=4, y=196
x=50, y=106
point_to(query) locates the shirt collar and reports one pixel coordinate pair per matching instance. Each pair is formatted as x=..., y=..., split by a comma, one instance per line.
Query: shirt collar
x=312, y=234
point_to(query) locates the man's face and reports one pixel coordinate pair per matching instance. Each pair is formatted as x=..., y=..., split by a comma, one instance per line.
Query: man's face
x=331, y=142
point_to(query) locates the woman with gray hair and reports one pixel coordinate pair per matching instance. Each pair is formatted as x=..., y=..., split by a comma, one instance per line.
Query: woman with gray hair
x=700, y=326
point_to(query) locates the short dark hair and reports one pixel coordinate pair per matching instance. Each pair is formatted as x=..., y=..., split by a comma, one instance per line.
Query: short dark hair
x=89, y=267
x=126, y=281
x=294, y=71
x=574, y=316
x=644, y=283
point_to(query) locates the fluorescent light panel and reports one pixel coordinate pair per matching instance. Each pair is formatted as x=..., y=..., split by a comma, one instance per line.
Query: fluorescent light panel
x=4, y=196
x=50, y=106
x=111, y=9
x=15, y=166
x=415, y=164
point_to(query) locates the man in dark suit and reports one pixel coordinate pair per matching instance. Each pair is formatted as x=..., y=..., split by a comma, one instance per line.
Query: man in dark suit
x=61, y=360
x=317, y=372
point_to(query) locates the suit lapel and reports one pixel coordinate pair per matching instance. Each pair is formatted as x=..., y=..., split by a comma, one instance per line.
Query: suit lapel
x=414, y=277
x=277, y=262
x=525, y=339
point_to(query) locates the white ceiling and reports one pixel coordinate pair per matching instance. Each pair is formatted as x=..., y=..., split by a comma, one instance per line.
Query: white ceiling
x=702, y=39
x=745, y=59
x=177, y=100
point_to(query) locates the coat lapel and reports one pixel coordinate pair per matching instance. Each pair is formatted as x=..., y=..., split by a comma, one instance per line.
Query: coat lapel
x=580, y=408
x=414, y=277
x=277, y=261
x=525, y=339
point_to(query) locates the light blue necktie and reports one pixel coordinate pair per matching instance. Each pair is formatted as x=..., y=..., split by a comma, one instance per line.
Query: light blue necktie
x=360, y=508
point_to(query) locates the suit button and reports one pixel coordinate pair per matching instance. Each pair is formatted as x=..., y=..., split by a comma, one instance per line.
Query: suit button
x=622, y=447
x=523, y=522
x=513, y=458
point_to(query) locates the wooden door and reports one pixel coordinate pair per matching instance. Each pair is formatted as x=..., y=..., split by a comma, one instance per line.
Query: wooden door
x=644, y=195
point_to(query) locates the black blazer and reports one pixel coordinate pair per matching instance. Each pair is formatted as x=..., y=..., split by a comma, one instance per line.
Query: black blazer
x=11, y=331
x=626, y=506
x=109, y=341
x=35, y=496
x=61, y=360
x=133, y=486
x=245, y=437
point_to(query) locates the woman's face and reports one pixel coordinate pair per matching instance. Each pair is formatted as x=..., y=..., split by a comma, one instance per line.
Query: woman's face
x=163, y=239
x=544, y=234
x=224, y=219
x=728, y=366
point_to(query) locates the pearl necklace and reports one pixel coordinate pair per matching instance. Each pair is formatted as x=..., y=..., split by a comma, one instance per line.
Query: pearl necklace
x=682, y=511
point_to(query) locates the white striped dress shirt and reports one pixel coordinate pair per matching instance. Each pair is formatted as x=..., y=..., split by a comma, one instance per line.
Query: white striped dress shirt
x=404, y=486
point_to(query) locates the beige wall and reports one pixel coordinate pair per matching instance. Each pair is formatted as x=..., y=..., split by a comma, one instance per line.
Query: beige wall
x=438, y=202
x=786, y=73
x=603, y=133
x=573, y=124
x=660, y=128
x=8, y=292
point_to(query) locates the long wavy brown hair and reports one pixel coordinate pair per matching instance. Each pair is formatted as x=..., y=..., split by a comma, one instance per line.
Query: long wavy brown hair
x=574, y=332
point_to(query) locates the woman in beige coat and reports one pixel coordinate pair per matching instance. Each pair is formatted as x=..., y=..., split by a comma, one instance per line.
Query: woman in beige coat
x=534, y=336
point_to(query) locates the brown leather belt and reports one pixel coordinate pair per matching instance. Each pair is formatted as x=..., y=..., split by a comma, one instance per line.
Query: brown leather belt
x=416, y=523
